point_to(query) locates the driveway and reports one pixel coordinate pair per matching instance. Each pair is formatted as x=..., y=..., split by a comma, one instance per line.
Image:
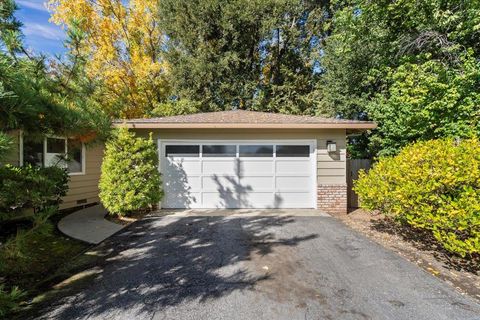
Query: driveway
x=207, y=265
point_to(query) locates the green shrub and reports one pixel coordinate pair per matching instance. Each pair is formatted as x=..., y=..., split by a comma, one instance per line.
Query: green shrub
x=5, y=145
x=30, y=187
x=9, y=300
x=432, y=185
x=130, y=179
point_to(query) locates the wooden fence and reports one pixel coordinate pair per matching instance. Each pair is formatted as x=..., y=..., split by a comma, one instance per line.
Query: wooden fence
x=353, y=166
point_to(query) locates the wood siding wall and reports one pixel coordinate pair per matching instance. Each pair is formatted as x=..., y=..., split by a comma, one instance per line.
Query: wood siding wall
x=81, y=187
x=85, y=187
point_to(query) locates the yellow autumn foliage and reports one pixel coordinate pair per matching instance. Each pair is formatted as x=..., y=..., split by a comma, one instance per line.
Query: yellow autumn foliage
x=432, y=185
x=124, y=48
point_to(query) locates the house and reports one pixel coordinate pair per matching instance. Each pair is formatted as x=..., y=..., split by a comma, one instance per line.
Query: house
x=227, y=159
x=83, y=169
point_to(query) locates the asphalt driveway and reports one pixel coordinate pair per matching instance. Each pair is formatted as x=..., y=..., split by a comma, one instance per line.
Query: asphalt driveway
x=256, y=267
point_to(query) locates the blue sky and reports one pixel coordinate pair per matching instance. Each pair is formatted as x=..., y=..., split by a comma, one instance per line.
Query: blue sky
x=41, y=36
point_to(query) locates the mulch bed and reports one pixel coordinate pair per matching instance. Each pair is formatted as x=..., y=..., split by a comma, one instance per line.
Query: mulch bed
x=420, y=248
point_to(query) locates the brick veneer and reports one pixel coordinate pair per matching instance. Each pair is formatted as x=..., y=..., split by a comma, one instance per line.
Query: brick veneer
x=332, y=198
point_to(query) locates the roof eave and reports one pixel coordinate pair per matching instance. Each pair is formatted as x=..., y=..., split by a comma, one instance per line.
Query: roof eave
x=183, y=125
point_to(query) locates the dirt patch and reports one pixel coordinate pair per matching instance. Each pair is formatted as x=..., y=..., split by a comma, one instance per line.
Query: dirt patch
x=126, y=220
x=420, y=248
x=280, y=281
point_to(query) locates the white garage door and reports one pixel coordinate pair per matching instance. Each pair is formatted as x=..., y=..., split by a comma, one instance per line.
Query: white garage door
x=240, y=174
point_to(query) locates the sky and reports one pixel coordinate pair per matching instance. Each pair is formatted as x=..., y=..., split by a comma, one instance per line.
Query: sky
x=41, y=36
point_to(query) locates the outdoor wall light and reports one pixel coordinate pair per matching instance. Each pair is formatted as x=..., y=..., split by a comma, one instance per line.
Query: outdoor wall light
x=331, y=146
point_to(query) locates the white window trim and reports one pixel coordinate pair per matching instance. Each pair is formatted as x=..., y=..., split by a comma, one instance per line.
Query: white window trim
x=84, y=151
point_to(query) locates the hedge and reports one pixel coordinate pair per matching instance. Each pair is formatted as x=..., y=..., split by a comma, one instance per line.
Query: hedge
x=432, y=185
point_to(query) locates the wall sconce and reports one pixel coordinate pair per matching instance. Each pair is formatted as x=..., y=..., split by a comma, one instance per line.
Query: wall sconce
x=331, y=146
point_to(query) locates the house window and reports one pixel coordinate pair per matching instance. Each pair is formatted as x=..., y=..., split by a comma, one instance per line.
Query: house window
x=182, y=151
x=297, y=151
x=32, y=152
x=75, y=154
x=54, y=151
x=256, y=151
x=219, y=150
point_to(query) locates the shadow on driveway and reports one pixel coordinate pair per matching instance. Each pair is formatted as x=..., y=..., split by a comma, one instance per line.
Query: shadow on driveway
x=164, y=261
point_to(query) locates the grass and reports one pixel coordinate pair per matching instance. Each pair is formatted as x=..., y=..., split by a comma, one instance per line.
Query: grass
x=37, y=260
x=41, y=255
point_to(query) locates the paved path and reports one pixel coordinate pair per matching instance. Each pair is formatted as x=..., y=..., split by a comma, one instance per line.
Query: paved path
x=88, y=225
x=256, y=267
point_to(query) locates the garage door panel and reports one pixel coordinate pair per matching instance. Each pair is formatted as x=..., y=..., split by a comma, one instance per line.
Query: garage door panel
x=177, y=184
x=256, y=167
x=183, y=199
x=219, y=167
x=260, y=200
x=293, y=183
x=216, y=182
x=257, y=183
x=294, y=199
x=183, y=167
x=223, y=199
x=297, y=167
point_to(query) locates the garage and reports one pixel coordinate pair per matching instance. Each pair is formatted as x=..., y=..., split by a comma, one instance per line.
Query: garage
x=248, y=159
x=238, y=174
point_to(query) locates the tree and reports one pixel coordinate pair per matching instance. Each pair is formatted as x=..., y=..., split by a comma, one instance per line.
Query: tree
x=369, y=37
x=373, y=40
x=245, y=54
x=130, y=179
x=122, y=46
x=29, y=93
x=427, y=101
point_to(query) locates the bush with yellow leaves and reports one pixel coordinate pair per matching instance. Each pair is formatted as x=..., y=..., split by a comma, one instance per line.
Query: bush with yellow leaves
x=432, y=185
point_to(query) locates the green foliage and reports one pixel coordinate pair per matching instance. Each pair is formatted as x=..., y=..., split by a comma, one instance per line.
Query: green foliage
x=35, y=94
x=375, y=44
x=5, y=144
x=9, y=300
x=427, y=101
x=10, y=35
x=30, y=258
x=130, y=179
x=257, y=55
x=432, y=185
x=173, y=108
x=30, y=187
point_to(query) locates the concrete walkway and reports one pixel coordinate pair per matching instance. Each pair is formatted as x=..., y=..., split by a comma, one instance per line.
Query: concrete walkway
x=88, y=225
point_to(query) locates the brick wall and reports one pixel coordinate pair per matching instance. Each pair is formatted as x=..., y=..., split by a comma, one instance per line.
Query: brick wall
x=332, y=198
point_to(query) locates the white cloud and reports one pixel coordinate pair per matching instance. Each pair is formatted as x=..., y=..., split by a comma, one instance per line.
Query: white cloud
x=46, y=31
x=32, y=4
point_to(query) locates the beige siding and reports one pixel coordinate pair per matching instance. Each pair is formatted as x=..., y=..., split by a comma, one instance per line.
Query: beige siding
x=85, y=186
x=80, y=186
x=331, y=167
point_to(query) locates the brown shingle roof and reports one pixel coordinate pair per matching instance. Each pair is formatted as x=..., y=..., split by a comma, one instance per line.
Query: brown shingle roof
x=244, y=119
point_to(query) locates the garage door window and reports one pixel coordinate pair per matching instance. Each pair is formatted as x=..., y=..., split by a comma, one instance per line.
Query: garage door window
x=182, y=151
x=256, y=151
x=297, y=151
x=219, y=150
